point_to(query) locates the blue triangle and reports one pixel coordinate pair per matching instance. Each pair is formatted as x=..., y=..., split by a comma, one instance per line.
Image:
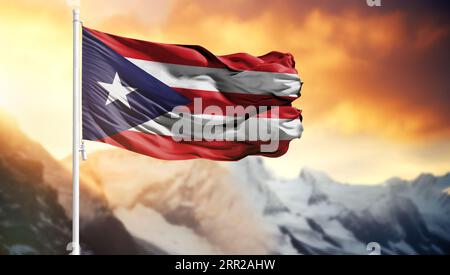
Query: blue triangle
x=151, y=98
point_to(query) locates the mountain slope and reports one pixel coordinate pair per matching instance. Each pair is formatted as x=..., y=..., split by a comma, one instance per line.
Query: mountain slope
x=185, y=206
x=204, y=207
x=31, y=219
x=133, y=204
x=36, y=200
x=326, y=217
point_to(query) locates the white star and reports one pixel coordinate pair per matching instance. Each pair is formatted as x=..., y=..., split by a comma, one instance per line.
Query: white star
x=117, y=91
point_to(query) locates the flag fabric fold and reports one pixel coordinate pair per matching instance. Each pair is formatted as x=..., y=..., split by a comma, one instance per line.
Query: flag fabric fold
x=174, y=101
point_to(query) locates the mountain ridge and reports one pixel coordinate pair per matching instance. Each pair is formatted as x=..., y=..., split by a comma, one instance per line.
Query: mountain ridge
x=31, y=181
x=132, y=204
x=398, y=214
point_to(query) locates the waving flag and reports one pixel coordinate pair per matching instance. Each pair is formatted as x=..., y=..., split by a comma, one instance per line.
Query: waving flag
x=174, y=101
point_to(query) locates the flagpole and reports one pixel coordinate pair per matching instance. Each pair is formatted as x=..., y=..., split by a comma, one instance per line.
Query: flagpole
x=76, y=135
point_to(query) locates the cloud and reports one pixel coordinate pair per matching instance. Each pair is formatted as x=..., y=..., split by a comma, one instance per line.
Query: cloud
x=386, y=67
x=379, y=73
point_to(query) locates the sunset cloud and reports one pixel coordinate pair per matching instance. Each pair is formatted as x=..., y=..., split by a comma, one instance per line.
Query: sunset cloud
x=375, y=76
x=387, y=67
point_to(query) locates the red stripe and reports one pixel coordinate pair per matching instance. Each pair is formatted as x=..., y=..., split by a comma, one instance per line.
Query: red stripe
x=164, y=147
x=224, y=100
x=218, y=98
x=275, y=62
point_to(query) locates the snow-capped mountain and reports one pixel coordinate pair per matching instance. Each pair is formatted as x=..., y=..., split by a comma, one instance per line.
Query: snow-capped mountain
x=133, y=204
x=316, y=215
x=191, y=207
x=201, y=207
x=36, y=203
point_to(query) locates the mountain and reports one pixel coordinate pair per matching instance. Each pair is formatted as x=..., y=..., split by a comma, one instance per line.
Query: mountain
x=205, y=207
x=191, y=207
x=317, y=215
x=36, y=203
x=133, y=204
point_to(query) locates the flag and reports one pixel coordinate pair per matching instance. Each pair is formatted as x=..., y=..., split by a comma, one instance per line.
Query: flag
x=181, y=102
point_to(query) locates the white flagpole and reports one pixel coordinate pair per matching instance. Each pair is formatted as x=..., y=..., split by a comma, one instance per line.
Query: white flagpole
x=76, y=135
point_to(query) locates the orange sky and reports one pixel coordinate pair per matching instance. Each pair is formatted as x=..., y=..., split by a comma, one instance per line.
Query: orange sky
x=376, y=93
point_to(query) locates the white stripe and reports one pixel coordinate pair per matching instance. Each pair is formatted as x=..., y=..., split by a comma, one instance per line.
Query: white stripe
x=280, y=129
x=221, y=80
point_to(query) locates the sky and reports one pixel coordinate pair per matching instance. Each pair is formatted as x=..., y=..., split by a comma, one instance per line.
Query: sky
x=376, y=87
